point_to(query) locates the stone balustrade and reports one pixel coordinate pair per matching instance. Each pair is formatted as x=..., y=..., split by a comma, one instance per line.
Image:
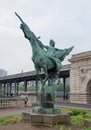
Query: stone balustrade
x=12, y=102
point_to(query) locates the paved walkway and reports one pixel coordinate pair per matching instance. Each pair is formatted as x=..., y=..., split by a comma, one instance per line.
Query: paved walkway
x=66, y=104
x=14, y=111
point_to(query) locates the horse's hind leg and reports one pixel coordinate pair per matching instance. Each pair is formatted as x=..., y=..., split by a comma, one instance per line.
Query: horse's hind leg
x=46, y=73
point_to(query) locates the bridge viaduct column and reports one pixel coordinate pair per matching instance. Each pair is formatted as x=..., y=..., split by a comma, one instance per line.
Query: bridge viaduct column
x=10, y=89
x=25, y=85
x=4, y=86
x=0, y=87
x=17, y=88
x=4, y=89
x=16, y=85
x=14, y=88
x=64, y=83
x=7, y=88
x=36, y=85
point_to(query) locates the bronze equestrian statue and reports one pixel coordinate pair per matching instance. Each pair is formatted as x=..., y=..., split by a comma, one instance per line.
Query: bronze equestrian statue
x=48, y=59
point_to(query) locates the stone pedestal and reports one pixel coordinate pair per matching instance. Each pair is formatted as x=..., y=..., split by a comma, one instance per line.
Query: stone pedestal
x=46, y=119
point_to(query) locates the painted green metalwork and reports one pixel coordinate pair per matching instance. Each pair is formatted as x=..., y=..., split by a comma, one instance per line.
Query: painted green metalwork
x=48, y=59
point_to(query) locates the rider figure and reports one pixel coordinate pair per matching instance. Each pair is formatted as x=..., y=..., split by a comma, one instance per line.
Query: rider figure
x=50, y=50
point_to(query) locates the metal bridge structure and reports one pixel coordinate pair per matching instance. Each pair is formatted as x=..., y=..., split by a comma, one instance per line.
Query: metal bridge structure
x=7, y=83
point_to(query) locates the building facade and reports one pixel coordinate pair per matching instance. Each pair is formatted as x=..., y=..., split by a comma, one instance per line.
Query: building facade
x=3, y=73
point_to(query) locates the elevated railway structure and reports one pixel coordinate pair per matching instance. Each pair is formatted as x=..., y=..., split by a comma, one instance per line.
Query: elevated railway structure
x=11, y=82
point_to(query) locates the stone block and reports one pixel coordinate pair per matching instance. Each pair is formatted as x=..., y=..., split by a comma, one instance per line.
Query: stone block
x=53, y=119
x=64, y=118
x=26, y=116
x=36, y=118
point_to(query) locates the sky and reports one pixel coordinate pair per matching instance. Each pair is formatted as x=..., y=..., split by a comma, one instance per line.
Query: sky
x=67, y=22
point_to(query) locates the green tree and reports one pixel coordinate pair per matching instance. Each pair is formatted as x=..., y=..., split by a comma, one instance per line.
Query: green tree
x=60, y=87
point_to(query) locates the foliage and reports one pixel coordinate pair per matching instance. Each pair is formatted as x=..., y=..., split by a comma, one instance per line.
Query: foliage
x=64, y=128
x=89, y=128
x=10, y=119
x=60, y=87
x=79, y=117
x=87, y=115
x=31, y=88
x=75, y=112
x=77, y=120
x=21, y=88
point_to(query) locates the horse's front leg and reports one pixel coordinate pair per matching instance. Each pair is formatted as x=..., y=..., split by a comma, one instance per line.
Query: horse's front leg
x=37, y=69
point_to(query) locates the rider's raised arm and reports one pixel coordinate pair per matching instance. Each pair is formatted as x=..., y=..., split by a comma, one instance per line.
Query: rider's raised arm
x=26, y=30
x=45, y=46
x=29, y=34
x=41, y=44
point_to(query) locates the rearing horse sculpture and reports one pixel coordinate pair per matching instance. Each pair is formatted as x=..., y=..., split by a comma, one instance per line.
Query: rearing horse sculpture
x=40, y=57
